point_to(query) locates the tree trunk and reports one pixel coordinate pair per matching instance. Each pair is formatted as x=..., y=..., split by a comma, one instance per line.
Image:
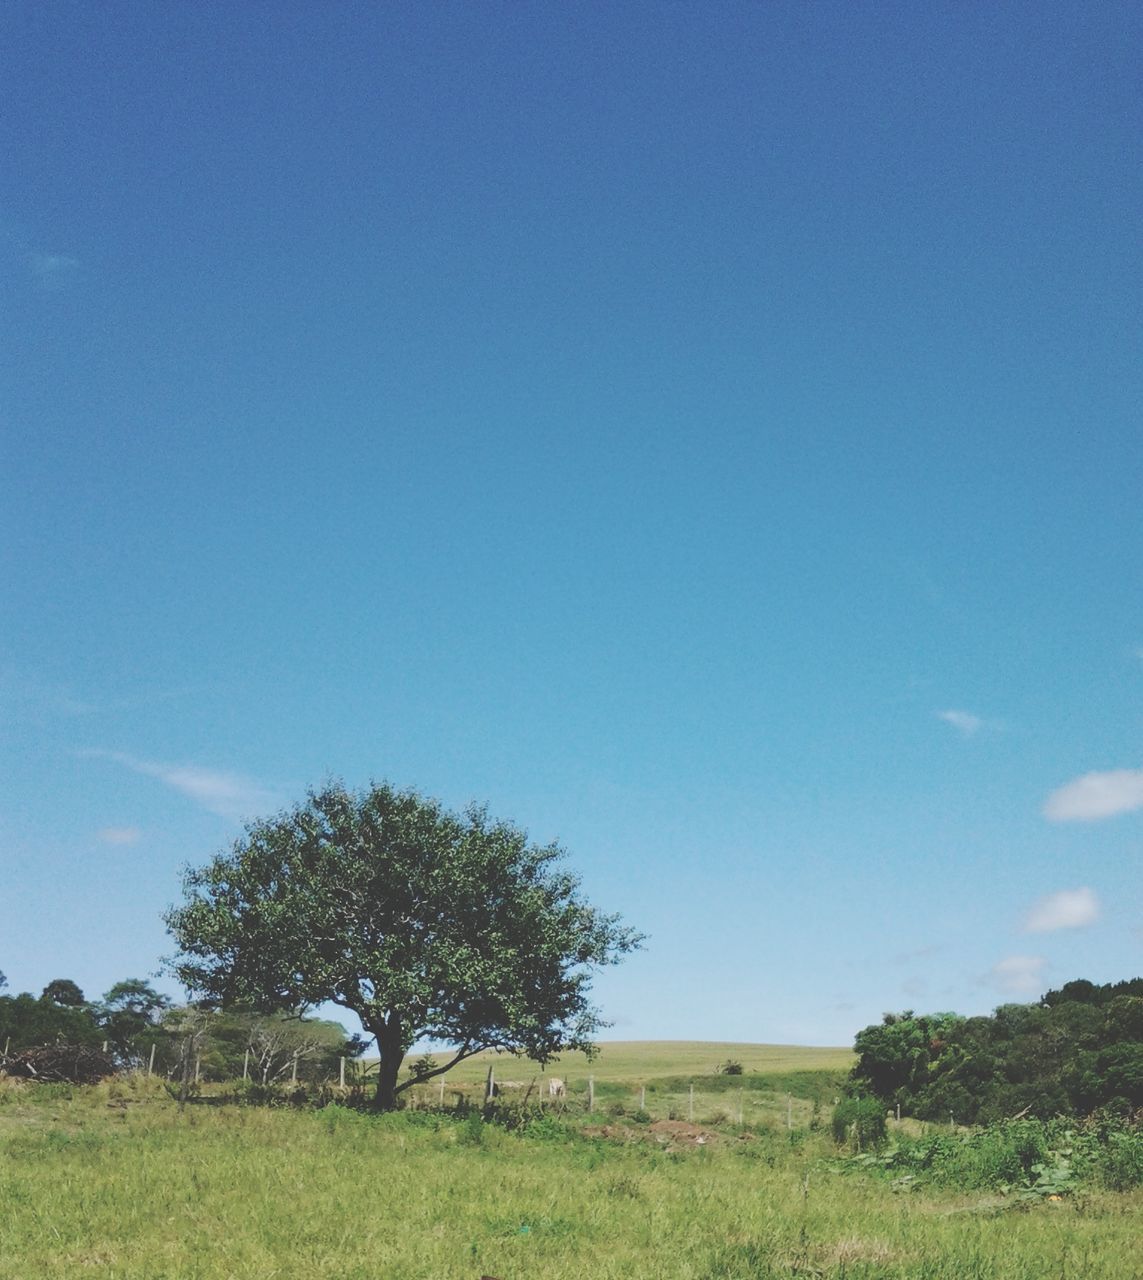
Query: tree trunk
x=392, y=1054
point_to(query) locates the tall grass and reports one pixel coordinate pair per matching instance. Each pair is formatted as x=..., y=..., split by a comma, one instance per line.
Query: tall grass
x=119, y=1182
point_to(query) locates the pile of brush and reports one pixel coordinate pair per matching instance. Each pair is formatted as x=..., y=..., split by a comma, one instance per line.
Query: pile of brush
x=59, y=1064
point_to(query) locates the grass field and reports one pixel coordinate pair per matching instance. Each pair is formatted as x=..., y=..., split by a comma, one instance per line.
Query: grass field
x=667, y=1078
x=115, y=1181
x=639, y=1061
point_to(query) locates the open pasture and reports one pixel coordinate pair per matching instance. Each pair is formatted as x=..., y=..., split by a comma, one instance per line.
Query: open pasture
x=639, y=1061
x=115, y=1181
x=667, y=1079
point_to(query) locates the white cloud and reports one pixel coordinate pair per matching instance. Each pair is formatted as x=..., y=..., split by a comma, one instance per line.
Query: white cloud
x=1068, y=909
x=1096, y=795
x=229, y=795
x=1018, y=975
x=118, y=835
x=53, y=270
x=963, y=721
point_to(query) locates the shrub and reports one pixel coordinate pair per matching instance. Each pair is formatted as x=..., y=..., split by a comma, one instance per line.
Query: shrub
x=729, y=1068
x=861, y=1120
x=471, y=1130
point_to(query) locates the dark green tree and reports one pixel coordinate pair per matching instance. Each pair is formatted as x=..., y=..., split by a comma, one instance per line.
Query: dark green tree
x=424, y=923
x=63, y=991
x=894, y=1057
x=130, y=1015
x=26, y=1022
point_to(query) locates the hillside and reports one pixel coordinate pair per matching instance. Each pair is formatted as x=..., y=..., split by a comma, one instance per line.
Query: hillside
x=640, y=1061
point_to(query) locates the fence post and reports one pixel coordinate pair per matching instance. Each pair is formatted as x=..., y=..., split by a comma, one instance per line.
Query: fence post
x=341, y=1073
x=105, y=1046
x=246, y=1064
x=490, y=1091
x=642, y=1097
x=197, y=1070
x=151, y=1064
x=442, y=1093
x=591, y=1093
x=294, y=1071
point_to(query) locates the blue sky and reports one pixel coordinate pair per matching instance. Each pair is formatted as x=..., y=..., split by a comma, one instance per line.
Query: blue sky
x=710, y=435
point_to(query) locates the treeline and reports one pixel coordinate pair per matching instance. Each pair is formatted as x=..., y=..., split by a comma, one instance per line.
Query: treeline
x=143, y=1029
x=1077, y=1051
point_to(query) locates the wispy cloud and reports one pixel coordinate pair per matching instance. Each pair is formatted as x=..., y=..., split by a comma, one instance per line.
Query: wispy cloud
x=966, y=723
x=118, y=835
x=963, y=721
x=229, y=795
x=24, y=695
x=1067, y=909
x=53, y=270
x=1017, y=975
x=1096, y=795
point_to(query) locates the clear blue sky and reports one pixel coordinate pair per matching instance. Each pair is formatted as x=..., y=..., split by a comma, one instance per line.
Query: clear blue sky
x=708, y=434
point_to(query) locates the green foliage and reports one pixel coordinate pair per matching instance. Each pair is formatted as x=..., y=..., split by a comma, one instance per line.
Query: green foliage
x=730, y=1067
x=26, y=1022
x=130, y=1016
x=425, y=924
x=471, y=1133
x=1032, y=1159
x=272, y=1047
x=1079, y=1049
x=860, y=1121
x=63, y=991
x=424, y=1067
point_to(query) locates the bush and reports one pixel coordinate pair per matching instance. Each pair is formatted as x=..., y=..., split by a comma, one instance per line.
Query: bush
x=860, y=1120
x=1030, y=1158
x=1121, y=1166
x=471, y=1130
x=729, y=1068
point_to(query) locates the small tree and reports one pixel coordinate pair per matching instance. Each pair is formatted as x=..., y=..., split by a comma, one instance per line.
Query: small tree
x=424, y=923
x=272, y=1046
x=130, y=1016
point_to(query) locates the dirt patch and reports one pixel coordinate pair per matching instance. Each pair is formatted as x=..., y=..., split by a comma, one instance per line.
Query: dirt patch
x=666, y=1133
x=681, y=1132
x=613, y=1132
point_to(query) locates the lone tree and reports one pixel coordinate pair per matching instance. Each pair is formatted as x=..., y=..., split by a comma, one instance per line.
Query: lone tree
x=424, y=923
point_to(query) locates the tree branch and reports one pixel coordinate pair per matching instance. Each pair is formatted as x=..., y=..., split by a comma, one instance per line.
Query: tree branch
x=466, y=1052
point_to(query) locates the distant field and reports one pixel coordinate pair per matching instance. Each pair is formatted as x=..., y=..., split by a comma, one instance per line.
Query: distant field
x=668, y=1079
x=640, y=1061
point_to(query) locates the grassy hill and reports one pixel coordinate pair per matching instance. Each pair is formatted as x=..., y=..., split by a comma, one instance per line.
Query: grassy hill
x=642, y=1061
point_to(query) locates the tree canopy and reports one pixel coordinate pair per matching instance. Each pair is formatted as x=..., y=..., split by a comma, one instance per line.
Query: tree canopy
x=428, y=925
x=63, y=991
x=1077, y=1050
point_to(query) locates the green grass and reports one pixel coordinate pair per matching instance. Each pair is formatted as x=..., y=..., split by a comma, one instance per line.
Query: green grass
x=117, y=1182
x=778, y=1081
x=640, y=1061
